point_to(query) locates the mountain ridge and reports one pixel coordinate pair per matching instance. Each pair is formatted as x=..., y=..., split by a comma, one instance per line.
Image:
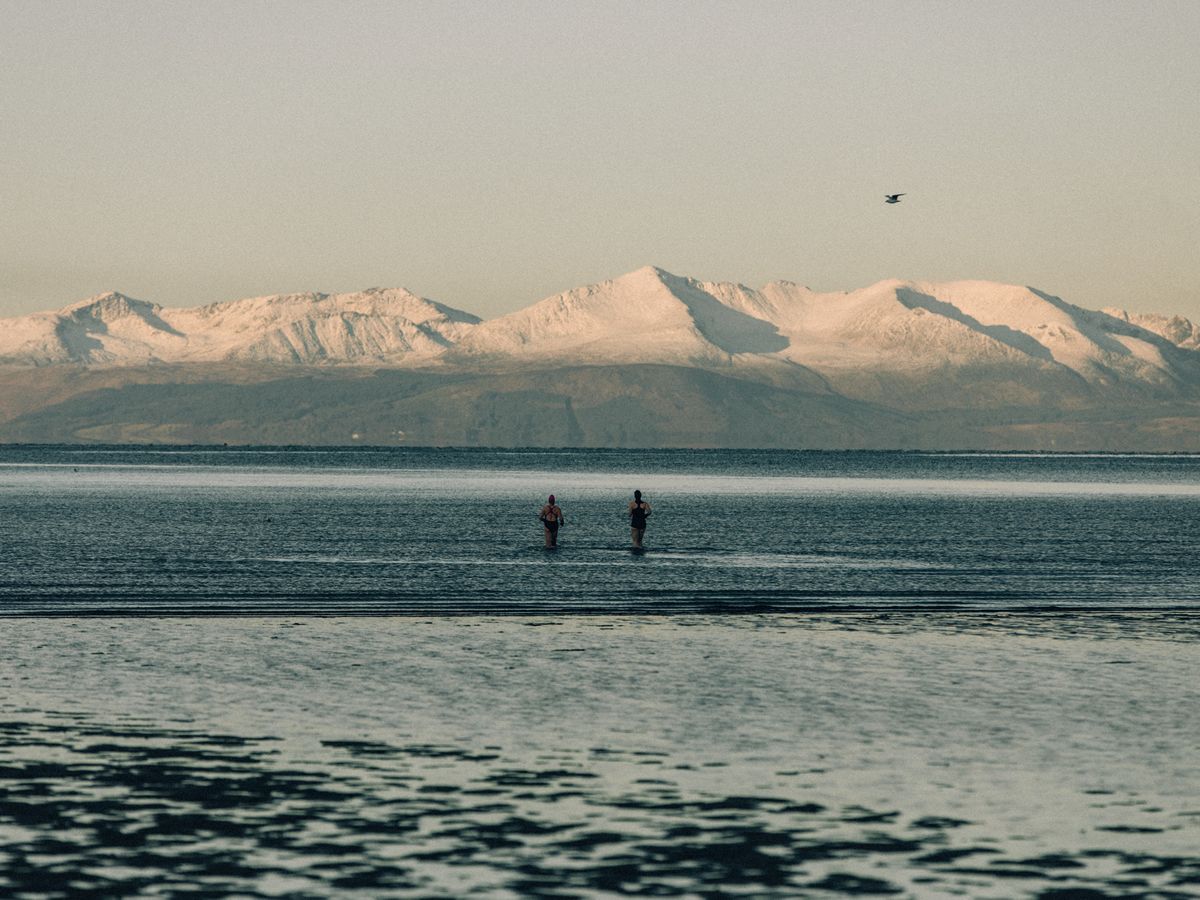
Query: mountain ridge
x=680, y=361
x=647, y=315
x=311, y=328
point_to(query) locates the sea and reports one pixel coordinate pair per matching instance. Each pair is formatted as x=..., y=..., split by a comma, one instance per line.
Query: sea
x=326, y=672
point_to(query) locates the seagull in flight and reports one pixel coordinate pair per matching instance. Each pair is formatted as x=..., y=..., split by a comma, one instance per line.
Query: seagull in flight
x=893, y=198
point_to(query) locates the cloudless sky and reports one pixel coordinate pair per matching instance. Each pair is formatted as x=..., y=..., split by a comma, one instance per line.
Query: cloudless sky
x=488, y=154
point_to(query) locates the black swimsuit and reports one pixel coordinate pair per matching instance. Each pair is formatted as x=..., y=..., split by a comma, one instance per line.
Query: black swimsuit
x=637, y=516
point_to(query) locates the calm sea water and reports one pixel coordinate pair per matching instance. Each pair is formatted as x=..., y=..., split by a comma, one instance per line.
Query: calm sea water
x=830, y=674
x=87, y=531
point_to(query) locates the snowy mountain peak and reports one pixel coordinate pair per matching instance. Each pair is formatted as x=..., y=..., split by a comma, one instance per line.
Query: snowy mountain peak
x=109, y=306
x=395, y=303
x=379, y=325
x=643, y=274
x=1178, y=330
x=648, y=315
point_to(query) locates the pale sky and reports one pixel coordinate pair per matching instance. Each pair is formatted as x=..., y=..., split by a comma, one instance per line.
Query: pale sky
x=488, y=154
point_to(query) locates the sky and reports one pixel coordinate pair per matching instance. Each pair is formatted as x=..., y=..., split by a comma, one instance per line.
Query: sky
x=489, y=154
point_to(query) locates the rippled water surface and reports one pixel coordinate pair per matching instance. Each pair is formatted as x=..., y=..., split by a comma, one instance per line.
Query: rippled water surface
x=908, y=675
x=426, y=531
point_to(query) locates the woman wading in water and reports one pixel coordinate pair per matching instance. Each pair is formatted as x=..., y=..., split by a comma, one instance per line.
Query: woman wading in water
x=639, y=511
x=552, y=519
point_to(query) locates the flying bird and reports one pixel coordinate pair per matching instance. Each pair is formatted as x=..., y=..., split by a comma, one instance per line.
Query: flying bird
x=893, y=198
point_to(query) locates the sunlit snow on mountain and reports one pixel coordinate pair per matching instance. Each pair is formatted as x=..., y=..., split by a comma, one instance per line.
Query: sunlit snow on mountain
x=648, y=357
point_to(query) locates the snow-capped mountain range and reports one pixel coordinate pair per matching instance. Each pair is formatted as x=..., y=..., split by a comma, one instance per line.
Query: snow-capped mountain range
x=649, y=359
x=646, y=316
x=114, y=330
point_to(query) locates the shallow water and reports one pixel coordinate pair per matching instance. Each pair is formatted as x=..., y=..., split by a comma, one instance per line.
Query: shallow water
x=455, y=532
x=684, y=756
x=947, y=676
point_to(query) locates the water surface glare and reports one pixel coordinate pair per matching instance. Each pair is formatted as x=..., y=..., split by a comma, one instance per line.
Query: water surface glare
x=264, y=672
x=691, y=756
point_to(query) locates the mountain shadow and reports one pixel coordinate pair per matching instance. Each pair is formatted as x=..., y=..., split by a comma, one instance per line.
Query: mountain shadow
x=727, y=329
x=1010, y=337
